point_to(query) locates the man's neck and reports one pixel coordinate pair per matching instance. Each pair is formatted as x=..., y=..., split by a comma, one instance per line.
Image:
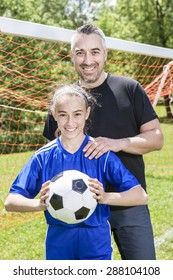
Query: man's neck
x=94, y=84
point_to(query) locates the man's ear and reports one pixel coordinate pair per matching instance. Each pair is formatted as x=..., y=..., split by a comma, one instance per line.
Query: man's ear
x=71, y=55
x=106, y=54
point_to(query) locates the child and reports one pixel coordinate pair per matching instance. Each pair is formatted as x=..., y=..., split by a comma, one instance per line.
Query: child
x=90, y=239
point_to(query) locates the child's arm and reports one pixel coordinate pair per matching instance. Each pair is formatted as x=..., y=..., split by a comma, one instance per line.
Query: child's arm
x=132, y=197
x=19, y=203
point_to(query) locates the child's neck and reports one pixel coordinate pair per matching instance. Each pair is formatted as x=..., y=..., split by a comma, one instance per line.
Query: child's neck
x=72, y=145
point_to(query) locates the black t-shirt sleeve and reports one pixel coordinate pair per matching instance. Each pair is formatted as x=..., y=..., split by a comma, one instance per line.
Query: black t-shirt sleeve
x=50, y=127
x=144, y=111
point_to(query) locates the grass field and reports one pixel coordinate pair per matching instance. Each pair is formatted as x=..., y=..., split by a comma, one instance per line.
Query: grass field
x=22, y=235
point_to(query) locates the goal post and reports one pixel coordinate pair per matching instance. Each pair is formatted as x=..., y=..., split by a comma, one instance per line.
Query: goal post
x=35, y=58
x=45, y=32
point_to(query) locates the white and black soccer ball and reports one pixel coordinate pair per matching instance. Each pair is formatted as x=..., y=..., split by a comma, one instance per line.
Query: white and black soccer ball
x=70, y=199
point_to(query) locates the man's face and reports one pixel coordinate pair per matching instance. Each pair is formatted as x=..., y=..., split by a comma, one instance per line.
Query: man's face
x=89, y=56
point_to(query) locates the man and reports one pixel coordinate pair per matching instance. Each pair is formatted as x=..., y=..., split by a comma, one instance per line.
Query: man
x=125, y=123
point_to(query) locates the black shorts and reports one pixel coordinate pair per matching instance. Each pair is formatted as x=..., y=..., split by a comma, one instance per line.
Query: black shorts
x=133, y=234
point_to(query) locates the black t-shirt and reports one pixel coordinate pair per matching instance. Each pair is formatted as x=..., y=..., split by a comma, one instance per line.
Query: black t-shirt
x=124, y=107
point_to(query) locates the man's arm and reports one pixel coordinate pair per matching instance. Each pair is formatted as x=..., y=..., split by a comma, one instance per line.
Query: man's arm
x=149, y=139
x=50, y=128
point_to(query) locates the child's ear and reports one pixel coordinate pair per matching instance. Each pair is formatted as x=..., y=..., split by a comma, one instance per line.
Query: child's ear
x=88, y=113
x=53, y=113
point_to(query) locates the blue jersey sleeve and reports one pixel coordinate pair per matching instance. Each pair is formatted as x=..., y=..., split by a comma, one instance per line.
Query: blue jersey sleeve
x=28, y=183
x=118, y=175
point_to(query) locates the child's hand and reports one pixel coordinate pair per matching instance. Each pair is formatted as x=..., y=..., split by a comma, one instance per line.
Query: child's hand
x=44, y=195
x=97, y=188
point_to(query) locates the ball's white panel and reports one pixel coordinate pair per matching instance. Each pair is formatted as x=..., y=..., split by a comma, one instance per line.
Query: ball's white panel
x=79, y=202
x=72, y=201
x=67, y=216
x=88, y=199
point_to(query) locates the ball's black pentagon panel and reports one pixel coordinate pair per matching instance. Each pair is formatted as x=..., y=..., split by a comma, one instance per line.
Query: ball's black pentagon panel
x=79, y=186
x=82, y=213
x=56, y=201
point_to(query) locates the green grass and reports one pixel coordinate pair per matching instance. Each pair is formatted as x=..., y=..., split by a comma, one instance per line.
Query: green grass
x=22, y=235
x=159, y=175
x=24, y=239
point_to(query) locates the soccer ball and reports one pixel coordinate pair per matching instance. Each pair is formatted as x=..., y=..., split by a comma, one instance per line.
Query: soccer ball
x=70, y=199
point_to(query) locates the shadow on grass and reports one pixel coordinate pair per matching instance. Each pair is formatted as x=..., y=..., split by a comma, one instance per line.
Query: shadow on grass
x=166, y=120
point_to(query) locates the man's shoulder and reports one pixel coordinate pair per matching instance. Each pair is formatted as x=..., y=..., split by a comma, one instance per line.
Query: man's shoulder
x=121, y=79
x=123, y=84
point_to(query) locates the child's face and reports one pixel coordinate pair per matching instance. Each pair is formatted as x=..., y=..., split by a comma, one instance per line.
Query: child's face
x=71, y=113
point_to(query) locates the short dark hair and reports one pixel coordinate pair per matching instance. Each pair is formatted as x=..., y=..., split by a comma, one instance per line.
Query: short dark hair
x=89, y=29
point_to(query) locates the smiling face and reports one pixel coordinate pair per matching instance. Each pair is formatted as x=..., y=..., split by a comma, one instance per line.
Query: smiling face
x=89, y=56
x=71, y=113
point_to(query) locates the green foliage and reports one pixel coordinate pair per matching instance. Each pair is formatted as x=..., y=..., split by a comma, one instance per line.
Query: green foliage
x=21, y=131
x=135, y=66
x=40, y=11
x=148, y=22
x=30, y=70
x=23, y=55
x=68, y=13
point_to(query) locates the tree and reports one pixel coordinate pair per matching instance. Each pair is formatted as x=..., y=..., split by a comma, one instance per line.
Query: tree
x=130, y=20
x=148, y=22
x=68, y=13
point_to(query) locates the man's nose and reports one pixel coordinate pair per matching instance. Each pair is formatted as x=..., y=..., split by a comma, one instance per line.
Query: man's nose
x=88, y=58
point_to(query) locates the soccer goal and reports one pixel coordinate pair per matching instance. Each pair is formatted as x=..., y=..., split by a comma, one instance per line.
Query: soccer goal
x=35, y=59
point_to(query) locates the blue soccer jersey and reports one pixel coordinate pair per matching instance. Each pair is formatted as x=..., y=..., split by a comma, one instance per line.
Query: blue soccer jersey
x=53, y=159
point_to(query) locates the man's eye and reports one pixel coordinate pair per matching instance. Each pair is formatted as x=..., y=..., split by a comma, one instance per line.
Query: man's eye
x=78, y=114
x=95, y=52
x=80, y=53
